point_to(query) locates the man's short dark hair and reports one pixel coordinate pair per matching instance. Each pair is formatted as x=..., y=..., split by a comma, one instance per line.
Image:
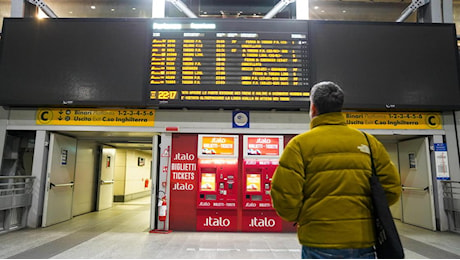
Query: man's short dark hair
x=327, y=97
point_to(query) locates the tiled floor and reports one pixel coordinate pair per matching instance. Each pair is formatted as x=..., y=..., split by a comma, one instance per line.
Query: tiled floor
x=122, y=232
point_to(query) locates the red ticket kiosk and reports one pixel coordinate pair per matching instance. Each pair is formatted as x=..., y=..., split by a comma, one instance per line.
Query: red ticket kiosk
x=260, y=159
x=217, y=193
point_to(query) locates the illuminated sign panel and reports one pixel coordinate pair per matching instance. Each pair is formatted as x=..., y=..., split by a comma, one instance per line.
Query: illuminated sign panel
x=218, y=146
x=262, y=146
x=229, y=64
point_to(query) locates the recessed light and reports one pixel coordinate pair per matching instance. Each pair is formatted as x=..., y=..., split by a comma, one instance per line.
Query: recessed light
x=93, y=7
x=134, y=8
x=344, y=11
x=316, y=7
x=112, y=9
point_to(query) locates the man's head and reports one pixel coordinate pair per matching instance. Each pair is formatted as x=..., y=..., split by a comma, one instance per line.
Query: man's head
x=325, y=97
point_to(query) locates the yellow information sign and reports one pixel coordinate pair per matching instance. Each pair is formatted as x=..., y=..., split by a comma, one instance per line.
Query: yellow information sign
x=394, y=120
x=95, y=117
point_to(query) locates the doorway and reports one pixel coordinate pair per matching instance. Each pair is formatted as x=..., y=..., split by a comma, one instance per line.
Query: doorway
x=417, y=183
x=89, y=171
x=411, y=155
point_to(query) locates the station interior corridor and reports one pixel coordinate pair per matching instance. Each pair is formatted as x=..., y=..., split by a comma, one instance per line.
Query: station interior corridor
x=123, y=232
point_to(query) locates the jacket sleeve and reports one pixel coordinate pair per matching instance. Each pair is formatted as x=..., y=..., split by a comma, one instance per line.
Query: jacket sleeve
x=287, y=183
x=387, y=173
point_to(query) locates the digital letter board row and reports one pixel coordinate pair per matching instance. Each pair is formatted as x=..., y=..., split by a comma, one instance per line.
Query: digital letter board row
x=210, y=64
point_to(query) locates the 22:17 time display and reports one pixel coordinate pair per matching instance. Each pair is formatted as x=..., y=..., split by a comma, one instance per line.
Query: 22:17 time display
x=163, y=94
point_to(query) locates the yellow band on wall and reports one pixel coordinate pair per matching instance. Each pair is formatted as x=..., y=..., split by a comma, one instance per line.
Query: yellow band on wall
x=394, y=120
x=95, y=117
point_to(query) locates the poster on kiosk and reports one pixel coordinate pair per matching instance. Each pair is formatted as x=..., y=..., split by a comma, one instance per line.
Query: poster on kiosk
x=261, y=155
x=218, y=183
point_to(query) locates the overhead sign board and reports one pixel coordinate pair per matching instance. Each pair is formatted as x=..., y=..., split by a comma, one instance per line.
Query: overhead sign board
x=394, y=120
x=95, y=117
x=228, y=64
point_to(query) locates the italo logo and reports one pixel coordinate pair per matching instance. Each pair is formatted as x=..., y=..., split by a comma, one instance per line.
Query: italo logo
x=183, y=186
x=204, y=204
x=262, y=222
x=218, y=140
x=184, y=157
x=251, y=205
x=263, y=141
x=216, y=222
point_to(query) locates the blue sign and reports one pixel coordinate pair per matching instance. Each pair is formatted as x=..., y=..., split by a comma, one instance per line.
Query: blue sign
x=440, y=147
x=240, y=119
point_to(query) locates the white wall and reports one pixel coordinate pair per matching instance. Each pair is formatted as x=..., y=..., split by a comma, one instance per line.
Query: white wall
x=120, y=173
x=135, y=174
x=129, y=176
x=84, y=198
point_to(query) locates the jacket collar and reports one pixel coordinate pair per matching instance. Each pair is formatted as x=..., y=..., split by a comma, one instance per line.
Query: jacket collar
x=335, y=118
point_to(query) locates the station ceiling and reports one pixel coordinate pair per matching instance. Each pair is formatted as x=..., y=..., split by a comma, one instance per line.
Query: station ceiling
x=356, y=10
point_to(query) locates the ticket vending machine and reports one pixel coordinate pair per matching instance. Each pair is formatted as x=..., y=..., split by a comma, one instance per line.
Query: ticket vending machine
x=218, y=183
x=260, y=159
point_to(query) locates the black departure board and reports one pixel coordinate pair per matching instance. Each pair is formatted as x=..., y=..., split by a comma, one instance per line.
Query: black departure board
x=250, y=64
x=212, y=64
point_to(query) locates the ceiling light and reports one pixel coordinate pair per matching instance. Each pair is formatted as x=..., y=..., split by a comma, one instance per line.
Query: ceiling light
x=134, y=8
x=167, y=26
x=203, y=26
x=316, y=7
x=112, y=9
x=344, y=11
x=93, y=7
x=41, y=14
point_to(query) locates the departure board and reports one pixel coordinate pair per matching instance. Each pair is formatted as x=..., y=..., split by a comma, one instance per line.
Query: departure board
x=261, y=64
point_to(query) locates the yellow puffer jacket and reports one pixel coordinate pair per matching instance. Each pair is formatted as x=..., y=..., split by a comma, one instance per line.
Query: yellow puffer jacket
x=322, y=184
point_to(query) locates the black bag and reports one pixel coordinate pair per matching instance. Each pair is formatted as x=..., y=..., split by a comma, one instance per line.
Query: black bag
x=387, y=242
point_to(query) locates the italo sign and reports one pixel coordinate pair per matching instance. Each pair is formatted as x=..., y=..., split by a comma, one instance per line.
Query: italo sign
x=217, y=222
x=262, y=222
x=268, y=222
x=183, y=172
x=208, y=221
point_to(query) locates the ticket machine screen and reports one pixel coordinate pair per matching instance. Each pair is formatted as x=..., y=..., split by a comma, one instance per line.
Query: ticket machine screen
x=208, y=182
x=253, y=182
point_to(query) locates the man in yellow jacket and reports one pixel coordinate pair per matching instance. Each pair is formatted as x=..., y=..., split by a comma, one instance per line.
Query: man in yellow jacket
x=322, y=181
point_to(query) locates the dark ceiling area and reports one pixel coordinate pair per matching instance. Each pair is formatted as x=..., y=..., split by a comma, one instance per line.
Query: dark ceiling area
x=351, y=10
